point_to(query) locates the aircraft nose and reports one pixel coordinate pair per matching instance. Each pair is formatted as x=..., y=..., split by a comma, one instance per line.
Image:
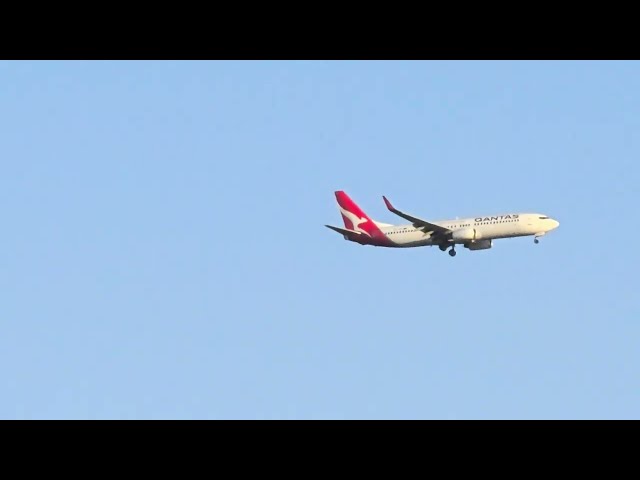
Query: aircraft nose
x=555, y=224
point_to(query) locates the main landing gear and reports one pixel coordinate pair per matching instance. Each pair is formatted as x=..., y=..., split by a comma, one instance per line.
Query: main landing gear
x=443, y=248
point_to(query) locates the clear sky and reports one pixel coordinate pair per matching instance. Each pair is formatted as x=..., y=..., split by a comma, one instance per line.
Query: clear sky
x=164, y=253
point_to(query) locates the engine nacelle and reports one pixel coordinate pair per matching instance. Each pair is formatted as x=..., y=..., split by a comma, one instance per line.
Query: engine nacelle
x=465, y=235
x=481, y=245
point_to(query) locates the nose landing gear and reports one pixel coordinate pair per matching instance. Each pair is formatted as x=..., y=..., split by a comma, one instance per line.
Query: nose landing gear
x=452, y=252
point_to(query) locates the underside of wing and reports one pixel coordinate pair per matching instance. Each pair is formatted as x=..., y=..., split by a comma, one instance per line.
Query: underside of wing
x=418, y=222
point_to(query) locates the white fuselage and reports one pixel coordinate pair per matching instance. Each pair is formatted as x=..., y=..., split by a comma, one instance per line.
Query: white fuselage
x=482, y=228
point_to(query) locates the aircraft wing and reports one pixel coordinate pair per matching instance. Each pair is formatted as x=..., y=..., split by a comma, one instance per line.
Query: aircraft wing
x=417, y=222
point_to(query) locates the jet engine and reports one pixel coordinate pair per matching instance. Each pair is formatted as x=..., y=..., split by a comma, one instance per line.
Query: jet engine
x=465, y=234
x=481, y=245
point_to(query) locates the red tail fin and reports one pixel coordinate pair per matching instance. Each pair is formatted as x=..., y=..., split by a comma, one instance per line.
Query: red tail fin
x=354, y=218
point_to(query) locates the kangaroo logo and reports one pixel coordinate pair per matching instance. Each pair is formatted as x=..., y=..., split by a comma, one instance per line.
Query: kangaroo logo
x=355, y=221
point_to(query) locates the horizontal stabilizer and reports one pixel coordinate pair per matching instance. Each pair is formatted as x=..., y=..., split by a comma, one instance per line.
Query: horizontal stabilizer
x=343, y=231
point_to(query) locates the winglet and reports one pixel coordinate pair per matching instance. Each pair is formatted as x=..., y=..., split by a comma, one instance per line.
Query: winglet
x=388, y=203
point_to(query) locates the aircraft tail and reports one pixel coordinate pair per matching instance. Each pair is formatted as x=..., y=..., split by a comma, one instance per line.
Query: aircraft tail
x=354, y=217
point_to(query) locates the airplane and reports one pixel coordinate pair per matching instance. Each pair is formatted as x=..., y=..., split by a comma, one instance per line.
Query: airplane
x=476, y=233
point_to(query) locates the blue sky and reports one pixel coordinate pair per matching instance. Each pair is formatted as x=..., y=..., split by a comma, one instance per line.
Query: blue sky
x=164, y=253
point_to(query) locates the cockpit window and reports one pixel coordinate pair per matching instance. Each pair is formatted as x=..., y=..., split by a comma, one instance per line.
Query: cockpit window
x=543, y=218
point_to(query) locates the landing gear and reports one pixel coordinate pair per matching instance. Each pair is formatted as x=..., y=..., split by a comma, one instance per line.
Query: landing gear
x=443, y=248
x=536, y=241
